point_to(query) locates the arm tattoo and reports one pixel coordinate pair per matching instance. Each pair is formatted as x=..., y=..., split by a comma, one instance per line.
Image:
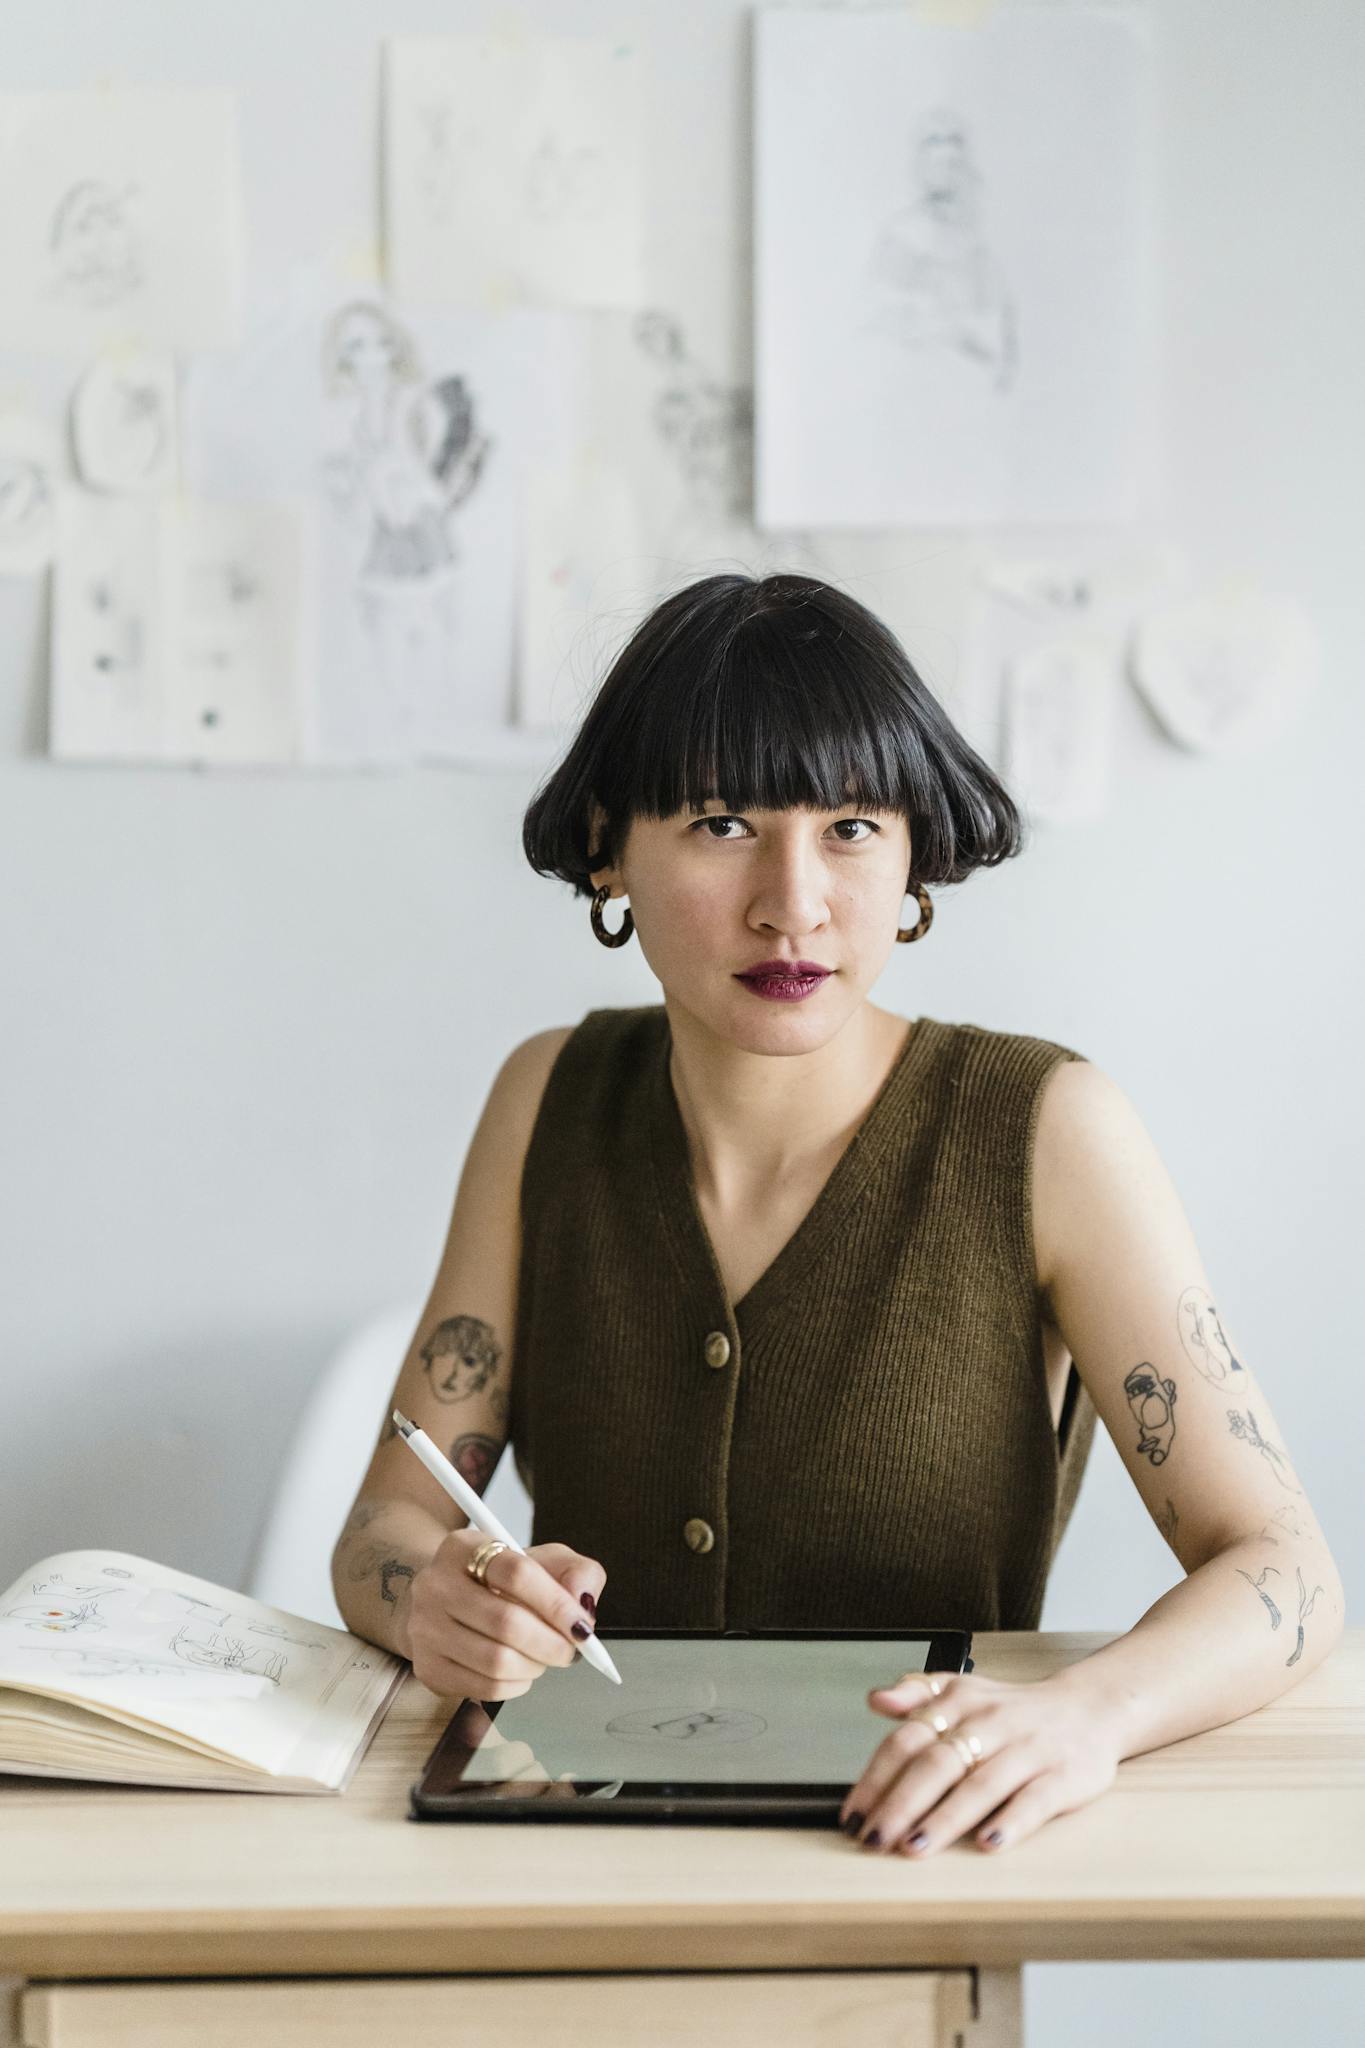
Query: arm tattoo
x=1247, y=1428
x=1306, y=1600
x=474, y=1458
x=1257, y=1586
x=1305, y=1609
x=1153, y=1404
x=1205, y=1342
x=461, y=1356
x=372, y=1557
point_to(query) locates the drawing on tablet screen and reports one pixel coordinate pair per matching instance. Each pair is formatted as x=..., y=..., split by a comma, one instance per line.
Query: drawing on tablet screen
x=694, y=1724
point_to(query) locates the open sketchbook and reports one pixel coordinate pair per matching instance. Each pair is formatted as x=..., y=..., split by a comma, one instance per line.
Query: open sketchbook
x=115, y=1668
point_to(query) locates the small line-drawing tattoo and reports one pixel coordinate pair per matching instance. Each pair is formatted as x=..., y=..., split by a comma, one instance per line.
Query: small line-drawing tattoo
x=391, y=1577
x=1305, y=1609
x=1284, y=1519
x=461, y=1355
x=1169, y=1522
x=1204, y=1339
x=1257, y=1586
x=365, y=1561
x=1247, y=1428
x=1153, y=1404
x=474, y=1458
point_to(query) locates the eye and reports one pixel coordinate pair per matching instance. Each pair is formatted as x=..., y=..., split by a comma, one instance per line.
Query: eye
x=728, y=818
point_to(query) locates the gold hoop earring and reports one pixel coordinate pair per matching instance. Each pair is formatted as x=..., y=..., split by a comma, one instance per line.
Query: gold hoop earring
x=926, y=916
x=617, y=938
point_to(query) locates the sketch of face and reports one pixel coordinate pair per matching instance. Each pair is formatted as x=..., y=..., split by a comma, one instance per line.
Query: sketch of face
x=1204, y=1339
x=93, y=244
x=1152, y=1402
x=366, y=351
x=947, y=181
x=461, y=1357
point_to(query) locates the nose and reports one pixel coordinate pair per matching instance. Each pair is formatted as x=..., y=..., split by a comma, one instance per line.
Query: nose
x=790, y=887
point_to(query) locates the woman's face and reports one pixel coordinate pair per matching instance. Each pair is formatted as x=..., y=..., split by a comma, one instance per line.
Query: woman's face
x=714, y=893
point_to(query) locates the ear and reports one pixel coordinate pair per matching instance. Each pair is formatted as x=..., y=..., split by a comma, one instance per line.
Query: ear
x=597, y=823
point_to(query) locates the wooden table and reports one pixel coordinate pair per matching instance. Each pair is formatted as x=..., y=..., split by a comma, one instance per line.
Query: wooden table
x=300, y=1920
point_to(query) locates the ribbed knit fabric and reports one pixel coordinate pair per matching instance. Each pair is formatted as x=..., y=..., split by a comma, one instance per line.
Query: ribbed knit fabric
x=877, y=1449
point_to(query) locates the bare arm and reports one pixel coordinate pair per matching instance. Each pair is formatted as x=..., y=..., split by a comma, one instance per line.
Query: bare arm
x=1262, y=1604
x=455, y=1381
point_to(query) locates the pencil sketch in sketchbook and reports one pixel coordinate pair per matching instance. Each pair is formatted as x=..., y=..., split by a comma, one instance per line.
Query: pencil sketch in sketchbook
x=407, y=454
x=933, y=276
x=153, y=1628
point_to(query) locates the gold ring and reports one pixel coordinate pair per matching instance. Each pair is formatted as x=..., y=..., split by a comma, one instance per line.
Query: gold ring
x=478, y=1564
x=968, y=1748
x=938, y=1722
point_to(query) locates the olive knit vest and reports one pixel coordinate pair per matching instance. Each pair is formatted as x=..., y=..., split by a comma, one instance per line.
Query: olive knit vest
x=864, y=1440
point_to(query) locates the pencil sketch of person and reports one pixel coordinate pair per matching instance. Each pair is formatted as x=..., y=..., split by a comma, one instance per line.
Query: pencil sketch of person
x=413, y=455
x=706, y=425
x=93, y=245
x=564, y=181
x=936, y=282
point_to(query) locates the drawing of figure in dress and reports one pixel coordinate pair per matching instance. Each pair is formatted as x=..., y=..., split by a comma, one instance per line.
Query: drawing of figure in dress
x=937, y=284
x=413, y=454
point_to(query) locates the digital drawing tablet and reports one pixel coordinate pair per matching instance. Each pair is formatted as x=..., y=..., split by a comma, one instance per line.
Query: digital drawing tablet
x=769, y=1726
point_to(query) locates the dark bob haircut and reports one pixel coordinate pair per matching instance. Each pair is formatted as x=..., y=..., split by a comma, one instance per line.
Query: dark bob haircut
x=773, y=693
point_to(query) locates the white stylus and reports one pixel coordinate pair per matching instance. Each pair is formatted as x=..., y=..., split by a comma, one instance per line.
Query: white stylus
x=482, y=1516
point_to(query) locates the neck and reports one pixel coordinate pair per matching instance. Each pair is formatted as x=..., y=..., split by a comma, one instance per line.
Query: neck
x=754, y=1119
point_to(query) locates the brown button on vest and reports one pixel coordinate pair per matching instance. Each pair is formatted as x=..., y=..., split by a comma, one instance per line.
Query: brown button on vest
x=864, y=1440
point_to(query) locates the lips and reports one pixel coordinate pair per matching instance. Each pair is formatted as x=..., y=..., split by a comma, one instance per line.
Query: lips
x=785, y=970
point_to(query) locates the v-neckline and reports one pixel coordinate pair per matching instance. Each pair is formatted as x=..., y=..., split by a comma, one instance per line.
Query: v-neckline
x=677, y=1194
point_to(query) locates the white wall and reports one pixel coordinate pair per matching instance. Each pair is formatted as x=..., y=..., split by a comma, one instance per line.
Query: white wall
x=246, y=1022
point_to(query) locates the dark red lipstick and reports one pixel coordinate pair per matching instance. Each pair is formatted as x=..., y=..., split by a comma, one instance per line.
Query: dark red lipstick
x=785, y=981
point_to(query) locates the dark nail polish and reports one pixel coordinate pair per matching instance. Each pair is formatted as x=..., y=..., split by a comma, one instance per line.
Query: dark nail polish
x=581, y=1630
x=873, y=1839
x=853, y=1823
x=586, y=1600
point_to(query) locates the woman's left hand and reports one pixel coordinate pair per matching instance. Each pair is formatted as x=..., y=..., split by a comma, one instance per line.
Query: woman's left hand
x=1044, y=1749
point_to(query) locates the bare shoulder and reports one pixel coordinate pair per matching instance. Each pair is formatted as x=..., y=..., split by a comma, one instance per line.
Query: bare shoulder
x=1090, y=1147
x=515, y=1097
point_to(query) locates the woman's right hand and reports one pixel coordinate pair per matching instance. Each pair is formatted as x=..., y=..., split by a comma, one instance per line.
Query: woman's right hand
x=492, y=1641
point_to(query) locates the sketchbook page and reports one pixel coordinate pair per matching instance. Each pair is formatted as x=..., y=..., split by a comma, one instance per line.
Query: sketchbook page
x=120, y=217
x=512, y=170
x=951, y=317
x=139, y=1642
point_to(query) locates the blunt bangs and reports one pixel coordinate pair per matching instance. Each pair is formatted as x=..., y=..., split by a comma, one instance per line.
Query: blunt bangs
x=773, y=693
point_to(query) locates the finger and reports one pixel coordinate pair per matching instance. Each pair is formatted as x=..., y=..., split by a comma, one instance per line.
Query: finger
x=525, y=1579
x=1033, y=1804
x=908, y=1740
x=581, y=1577
x=505, y=1620
x=921, y=1818
x=449, y=1680
x=480, y=1656
x=904, y=1694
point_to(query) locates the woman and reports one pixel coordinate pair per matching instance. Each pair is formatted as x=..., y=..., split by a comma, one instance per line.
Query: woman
x=798, y=1314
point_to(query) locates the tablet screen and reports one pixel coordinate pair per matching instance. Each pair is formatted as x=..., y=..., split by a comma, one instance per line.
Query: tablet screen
x=723, y=1711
